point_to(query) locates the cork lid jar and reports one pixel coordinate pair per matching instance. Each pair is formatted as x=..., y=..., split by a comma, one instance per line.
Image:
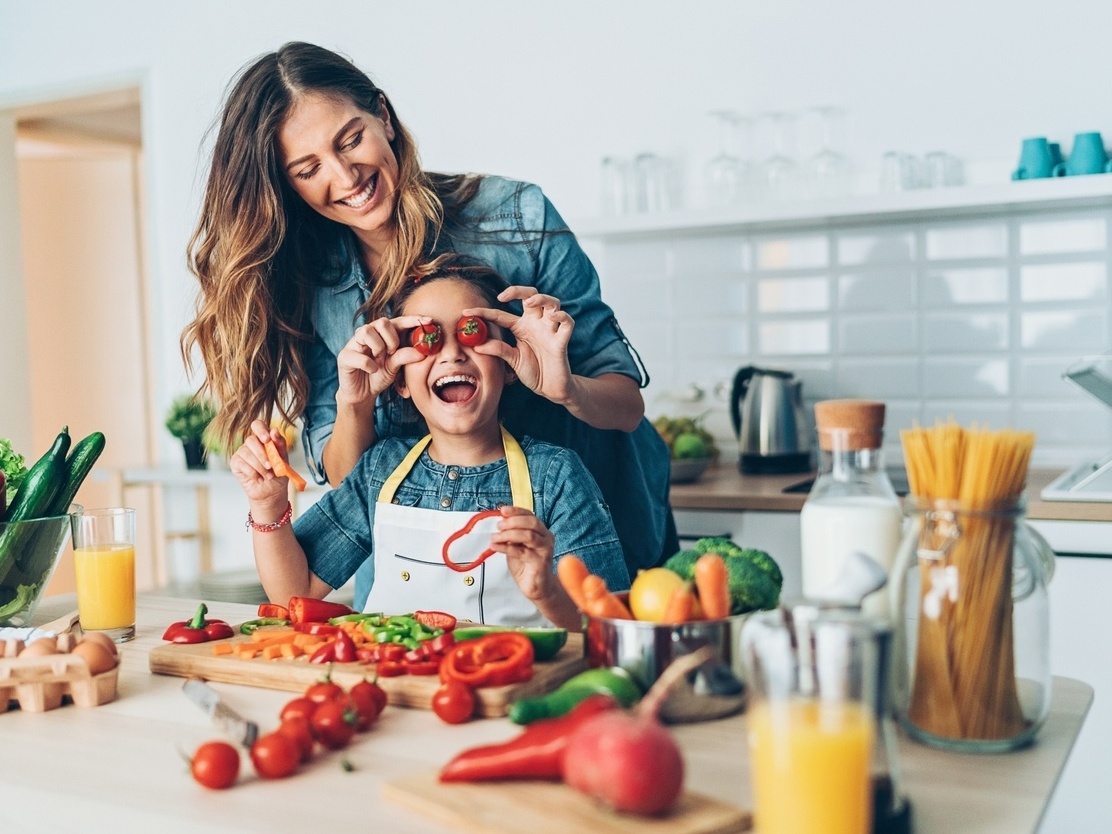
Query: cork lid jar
x=849, y=425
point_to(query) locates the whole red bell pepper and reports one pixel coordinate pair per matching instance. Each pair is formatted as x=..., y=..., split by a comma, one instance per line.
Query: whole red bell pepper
x=536, y=753
x=199, y=629
x=309, y=610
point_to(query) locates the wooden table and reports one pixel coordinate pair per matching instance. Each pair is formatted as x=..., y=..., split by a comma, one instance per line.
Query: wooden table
x=118, y=767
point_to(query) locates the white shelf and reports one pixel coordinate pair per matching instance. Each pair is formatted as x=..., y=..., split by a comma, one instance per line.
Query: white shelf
x=921, y=204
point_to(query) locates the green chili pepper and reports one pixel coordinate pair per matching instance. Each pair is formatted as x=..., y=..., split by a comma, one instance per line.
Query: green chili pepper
x=251, y=626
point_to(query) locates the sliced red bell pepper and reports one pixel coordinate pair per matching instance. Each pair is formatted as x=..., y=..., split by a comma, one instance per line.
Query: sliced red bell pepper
x=309, y=610
x=421, y=667
x=323, y=629
x=199, y=629
x=435, y=619
x=345, y=648
x=494, y=660
x=536, y=753
x=268, y=610
x=390, y=668
x=325, y=653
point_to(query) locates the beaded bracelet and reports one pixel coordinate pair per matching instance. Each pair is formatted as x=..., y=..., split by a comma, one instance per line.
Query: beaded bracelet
x=274, y=525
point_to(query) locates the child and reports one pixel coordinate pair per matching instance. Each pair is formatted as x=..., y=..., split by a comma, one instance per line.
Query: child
x=403, y=500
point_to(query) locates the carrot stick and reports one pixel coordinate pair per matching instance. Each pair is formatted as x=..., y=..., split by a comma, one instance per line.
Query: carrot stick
x=680, y=607
x=571, y=572
x=600, y=602
x=280, y=467
x=290, y=650
x=221, y=648
x=712, y=581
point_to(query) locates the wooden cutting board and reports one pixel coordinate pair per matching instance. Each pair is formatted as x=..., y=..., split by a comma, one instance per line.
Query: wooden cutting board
x=553, y=808
x=295, y=675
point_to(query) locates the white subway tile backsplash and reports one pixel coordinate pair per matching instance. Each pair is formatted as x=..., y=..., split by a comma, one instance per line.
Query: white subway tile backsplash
x=878, y=335
x=964, y=378
x=636, y=259
x=953, y=287
x=877, y=247
x=987, y=414
x=958, y=241
x=1062, y=424
x=729, y=339
x=794, y=337
x=793, y=295
x=708, y=256
x=1041, y=377
x=1086, y=281
x=962, y=333
x=791, y=252
x=710, y=296
x=892, y=289
x=879, y=379
x=1082, y=234
x=1081, y=331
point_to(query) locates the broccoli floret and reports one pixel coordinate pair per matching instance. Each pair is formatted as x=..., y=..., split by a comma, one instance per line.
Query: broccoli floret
x=751, y=587
x=716, y=544
x=765, y=563
x=683, y=563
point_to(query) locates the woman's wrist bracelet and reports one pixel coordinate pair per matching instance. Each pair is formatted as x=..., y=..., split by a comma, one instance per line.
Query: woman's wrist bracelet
x=274, y=525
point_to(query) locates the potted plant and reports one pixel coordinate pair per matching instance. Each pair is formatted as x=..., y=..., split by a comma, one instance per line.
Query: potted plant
x=187, y=419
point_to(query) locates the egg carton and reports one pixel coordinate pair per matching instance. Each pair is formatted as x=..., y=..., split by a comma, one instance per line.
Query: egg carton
x=37, y=684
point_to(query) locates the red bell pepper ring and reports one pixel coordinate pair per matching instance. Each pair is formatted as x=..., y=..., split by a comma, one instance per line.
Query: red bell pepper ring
x=494, y=660
x=199, y=629
x=309, y=610
x=270, y=611
x=463, y=531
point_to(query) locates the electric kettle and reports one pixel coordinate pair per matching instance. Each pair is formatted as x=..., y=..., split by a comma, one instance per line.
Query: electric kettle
x=766, y=408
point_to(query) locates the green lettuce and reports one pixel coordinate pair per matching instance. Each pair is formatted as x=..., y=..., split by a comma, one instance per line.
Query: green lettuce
x=12, y=465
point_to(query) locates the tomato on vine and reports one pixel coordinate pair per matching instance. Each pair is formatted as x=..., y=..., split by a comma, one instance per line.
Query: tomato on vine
x=471, y=331
x=215, y=765
x=427, y=338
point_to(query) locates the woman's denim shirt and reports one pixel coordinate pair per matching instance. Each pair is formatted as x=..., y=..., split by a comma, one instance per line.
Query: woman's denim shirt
x=512, y=227
x=336, y=532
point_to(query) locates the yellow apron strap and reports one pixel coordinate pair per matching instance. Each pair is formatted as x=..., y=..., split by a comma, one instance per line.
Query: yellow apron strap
x=521, y=486
x=386, y=494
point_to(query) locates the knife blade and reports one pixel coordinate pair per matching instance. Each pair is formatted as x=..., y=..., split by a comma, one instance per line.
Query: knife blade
x=230, y=722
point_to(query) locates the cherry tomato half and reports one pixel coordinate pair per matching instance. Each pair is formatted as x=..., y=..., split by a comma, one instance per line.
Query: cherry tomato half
x=275, y=755
x=427, y=338
x=471, y=331
x=215, y=764
x=454, y=703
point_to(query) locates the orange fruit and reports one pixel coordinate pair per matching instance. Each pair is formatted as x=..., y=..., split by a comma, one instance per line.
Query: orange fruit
x=650, y=592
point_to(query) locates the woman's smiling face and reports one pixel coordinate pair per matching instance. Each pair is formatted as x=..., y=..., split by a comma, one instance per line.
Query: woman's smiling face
x=338, y=159
x=457, y=390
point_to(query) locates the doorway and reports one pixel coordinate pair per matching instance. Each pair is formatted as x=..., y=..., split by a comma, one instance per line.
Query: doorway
x=80, y=209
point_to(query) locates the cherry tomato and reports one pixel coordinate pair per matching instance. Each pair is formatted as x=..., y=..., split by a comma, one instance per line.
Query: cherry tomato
x=427, y=338
x=275, y=755
x=471, y=331
x=454, y=702
x=324, y=691
x=334, y=724
x=297, y=727
x=366, y=703
x=215, y=765
x=298, y=708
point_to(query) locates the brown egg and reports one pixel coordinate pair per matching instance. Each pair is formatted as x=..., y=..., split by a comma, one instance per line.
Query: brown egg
x=42, y=647
x=100, y=638
x=95, y=655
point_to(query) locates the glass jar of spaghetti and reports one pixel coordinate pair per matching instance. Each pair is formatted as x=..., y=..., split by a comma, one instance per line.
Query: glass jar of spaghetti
x=971, y=667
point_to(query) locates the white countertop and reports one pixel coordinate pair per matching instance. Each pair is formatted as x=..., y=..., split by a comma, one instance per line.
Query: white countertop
x=118, y=767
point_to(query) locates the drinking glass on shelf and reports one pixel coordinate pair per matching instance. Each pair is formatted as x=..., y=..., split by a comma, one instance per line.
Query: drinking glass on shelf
x=728, y=173
x=615, y=186
x=779, y=172
x=654, y=186
x=828, y=172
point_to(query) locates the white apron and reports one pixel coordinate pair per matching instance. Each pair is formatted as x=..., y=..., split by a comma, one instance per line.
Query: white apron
x=410, y=573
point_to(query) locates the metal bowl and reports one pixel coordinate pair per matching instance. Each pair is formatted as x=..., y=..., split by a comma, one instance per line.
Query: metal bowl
x=645, y=649
x=687, y=470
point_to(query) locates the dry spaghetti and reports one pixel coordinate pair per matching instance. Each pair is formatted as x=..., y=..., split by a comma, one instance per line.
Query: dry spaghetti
x=969, y=483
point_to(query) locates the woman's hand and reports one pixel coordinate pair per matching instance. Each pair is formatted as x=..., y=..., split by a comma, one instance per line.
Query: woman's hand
x=267, y=492
x=370, y=361
x=542, y=332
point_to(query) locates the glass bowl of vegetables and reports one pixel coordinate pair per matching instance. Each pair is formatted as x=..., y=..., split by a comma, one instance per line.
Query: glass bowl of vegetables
x=29, y=554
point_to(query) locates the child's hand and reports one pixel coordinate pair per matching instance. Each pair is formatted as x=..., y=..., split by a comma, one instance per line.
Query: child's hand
x=529, y=549
x=370, y=361
x=265, y=490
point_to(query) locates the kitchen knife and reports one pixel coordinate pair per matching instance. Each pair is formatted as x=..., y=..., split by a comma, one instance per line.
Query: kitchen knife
x=231, y=723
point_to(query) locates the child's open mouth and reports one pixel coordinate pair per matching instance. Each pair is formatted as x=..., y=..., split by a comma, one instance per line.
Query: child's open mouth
x=458, y=388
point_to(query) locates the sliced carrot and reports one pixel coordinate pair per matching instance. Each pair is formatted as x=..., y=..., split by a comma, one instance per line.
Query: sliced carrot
x=306, y=640
x=571, y=572
x=281, y=468
x=245, y=650
x=600, y=602
x=680, y=607
x=273, y=651
x=291, y=650
x=221, y=648
x=712, y=579
x=265, y=635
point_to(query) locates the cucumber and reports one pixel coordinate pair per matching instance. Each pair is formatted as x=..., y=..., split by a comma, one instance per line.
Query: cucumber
x=78, y=465
x=614, y=681
x=44, y=479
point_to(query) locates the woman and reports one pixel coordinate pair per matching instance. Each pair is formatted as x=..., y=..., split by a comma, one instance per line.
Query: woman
x=317, y=210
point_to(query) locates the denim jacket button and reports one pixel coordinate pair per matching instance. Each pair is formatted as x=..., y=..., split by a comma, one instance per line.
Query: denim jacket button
x=453, y=474
x=445, y=502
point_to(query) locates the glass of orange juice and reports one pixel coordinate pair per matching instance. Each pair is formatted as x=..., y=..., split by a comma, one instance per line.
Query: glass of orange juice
x=815, y=683
x=104, y=560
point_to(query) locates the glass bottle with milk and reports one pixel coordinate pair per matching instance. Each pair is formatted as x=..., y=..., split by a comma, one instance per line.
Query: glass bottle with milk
x=852, y=505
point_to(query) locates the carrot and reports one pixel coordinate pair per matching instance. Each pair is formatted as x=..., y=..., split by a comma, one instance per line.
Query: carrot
x=600, y=602
x=291, y=650
x=571, y=572
x=680, y=607
x=265, y=635
x=274, y=650
x=280, y=467
x=712, y=581
x=221, y=648
x=245, y=650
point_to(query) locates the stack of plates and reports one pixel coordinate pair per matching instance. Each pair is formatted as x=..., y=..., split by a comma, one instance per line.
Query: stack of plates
x=233, y=586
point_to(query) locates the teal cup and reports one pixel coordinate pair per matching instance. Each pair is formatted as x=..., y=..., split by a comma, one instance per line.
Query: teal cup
x=1036, y=161
x=1056, y=153
x=1087, y=156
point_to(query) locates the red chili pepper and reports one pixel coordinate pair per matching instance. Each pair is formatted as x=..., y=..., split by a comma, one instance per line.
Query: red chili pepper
x=268, y=610
x=494, y=660
x=537, y=753
x=345, y=648
x=463, y=531
x=199, y=629
x=309, y=610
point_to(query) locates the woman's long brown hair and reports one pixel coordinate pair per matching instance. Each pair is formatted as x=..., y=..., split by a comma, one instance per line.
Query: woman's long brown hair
x=259, y=251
